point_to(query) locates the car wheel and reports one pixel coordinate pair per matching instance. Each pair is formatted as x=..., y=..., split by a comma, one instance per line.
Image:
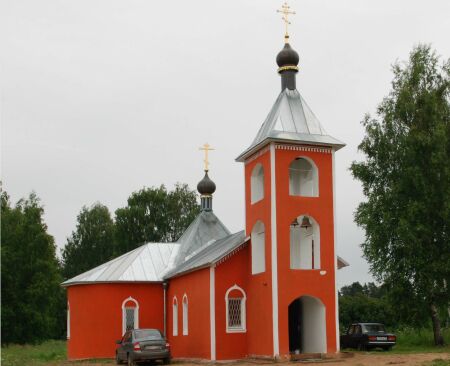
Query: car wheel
x=166, y=361
x=387, y=348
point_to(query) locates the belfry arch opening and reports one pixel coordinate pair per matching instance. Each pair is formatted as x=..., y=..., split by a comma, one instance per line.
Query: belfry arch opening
x=307, y=326
x=303, y=178
x=304, y=243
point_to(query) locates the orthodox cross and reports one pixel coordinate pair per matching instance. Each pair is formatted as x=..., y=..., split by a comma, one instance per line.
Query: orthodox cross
x=285, y=10
x=206, y=148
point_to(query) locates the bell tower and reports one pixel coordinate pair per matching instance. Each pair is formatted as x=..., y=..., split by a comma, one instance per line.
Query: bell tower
x=290, y=209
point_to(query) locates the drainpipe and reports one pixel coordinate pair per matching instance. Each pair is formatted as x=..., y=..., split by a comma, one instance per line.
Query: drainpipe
x=165, y=285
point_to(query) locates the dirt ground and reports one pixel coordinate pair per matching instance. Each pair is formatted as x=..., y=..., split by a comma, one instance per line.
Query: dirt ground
x=357, y=359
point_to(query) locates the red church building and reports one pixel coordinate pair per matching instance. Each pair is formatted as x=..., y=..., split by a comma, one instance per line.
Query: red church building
x=267, y=291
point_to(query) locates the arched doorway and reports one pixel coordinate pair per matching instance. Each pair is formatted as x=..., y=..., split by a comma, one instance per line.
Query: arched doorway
x=307, y=328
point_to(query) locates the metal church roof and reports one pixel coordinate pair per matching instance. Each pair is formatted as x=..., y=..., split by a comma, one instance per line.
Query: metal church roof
x=291, y=120
x=210, y=254
x=205, y=229
x=148, y=263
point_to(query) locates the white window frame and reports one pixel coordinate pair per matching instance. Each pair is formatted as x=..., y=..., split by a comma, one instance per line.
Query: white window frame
x=68, y=320
x=258, y=248
x=185, y=304
x=124, y=314
x=243, y=327
x=315, y=179
x=174, y=316
x=257, y=183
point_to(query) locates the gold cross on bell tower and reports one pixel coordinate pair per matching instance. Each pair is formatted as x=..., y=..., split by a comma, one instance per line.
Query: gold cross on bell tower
x=206, y=148
x=285, y=10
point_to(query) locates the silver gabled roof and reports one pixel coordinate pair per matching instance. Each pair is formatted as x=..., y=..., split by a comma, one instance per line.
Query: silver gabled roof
x=148, y=263
x=291, y=120
x=202, y=231
x=210, y=254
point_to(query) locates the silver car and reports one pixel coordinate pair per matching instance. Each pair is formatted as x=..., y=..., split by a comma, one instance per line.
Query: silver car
x=141, y=345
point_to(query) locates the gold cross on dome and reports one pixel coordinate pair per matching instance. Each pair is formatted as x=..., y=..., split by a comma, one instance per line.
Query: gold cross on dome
x=285, y=10
x=206, y=148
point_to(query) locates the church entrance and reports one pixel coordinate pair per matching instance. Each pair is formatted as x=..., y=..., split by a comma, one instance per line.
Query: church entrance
x=307, y=330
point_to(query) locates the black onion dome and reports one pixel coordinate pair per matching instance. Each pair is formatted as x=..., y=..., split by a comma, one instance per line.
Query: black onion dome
x=287, y=56
x=206, y=185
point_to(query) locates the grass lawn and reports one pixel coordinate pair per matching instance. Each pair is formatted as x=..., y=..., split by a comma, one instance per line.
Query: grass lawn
x=419, y=341
x=42, y=354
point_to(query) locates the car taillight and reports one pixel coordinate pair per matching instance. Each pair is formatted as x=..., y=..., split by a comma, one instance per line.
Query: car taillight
x=372, y=338
x=167, y=345
x=391, y=338
x=136, y=346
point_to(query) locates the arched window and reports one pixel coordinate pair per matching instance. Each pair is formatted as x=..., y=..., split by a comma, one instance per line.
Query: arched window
x=258, y=248
x=235, y=309
x=68, y=320
x=175, y=317
x=305, y=243
x=130, y=314
x=257, y=183
x=303, y=178
x=185, y=315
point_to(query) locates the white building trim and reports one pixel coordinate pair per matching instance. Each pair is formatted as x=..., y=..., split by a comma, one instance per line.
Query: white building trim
x=185, y=306
x=124, y=314
x=333, y=172
x=212, y=312
x=273, y=230
x=68, y=320
x=243, y=327
x=174, y=316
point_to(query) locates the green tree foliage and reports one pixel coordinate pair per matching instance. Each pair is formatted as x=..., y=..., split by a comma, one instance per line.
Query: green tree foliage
x=31, y=294
x=365, y=303
x=405, y=178
x=155, y=215
x=92, y=242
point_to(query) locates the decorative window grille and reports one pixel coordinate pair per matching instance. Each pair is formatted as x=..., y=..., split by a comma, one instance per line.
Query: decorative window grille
x=129, y=319
x=235, y=313
x=130, y=315
x=175, y=317
x=185, y=315
x=235, y=310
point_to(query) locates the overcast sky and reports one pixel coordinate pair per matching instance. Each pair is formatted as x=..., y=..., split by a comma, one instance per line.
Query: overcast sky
x=103, y=97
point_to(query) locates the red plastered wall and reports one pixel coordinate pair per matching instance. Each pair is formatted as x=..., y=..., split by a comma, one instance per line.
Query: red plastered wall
x=197, y=343
x=259, y=286
x=96, y=316
x=295, y=283
x=233, y=271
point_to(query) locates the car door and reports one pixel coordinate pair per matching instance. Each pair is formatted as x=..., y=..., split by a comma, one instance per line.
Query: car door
x=348, y=337
x=356, y=336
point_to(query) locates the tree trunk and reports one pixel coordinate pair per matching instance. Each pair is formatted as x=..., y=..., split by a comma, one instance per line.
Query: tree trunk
x=438, y=338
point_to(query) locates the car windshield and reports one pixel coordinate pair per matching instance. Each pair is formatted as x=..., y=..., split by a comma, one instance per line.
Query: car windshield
x=373, y=328
x=147, y=334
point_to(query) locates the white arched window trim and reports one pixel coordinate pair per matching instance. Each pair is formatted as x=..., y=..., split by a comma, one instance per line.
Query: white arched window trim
x=315, y=180
x=175, y=316
x=185, y=315
x=236, y=329
x=68, y=320
x=257, y=183
x=258, y=248
x=124, y=314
